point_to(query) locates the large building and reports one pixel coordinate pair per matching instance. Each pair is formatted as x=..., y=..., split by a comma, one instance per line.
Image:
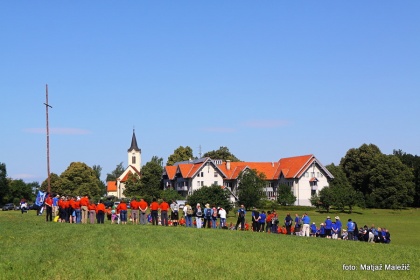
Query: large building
x=305, y=175
x=116, y=188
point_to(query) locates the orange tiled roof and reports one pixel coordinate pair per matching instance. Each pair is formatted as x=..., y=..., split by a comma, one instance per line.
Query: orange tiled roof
x=267, y=168
x=171, y=171
x=111, y=186
x=293, y=167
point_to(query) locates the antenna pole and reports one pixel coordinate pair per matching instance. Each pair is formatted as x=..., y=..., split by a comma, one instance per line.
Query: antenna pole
x=48, y=140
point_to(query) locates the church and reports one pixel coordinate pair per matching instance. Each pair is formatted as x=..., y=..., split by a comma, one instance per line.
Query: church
x=116, y=188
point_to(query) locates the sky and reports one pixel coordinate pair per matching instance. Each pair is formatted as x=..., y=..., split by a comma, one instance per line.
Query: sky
x=267, y=79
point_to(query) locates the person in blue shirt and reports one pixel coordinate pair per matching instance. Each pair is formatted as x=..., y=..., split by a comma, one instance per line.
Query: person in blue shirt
x=334, y=230
x=350, y=230
x=288, y=221
x=306, y=222
x=328, y=227
x=313, y=230
x=322, y=230
x=339, y=226
x=261, y=220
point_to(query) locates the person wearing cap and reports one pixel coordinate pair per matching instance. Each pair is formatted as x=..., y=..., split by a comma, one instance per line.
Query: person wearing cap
x=322, y=230
x=174, y=213
x=198, y=213
x=339, y=226
x=55, y=205
x=328, y=227
x=334, y=230
x=306, y=222
x=313, y=230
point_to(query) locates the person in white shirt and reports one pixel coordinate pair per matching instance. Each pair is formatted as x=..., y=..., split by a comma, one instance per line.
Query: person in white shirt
x=222, y=214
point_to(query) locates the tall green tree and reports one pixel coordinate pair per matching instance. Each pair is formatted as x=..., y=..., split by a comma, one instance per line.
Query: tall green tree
x=151, y=177
x=180, y=154
x=19, y=189
x=213, y=195
x=80, y=179
x=222, y=153
x=285, y=195
x=119, y=169
x=98, y=173
x=412, y=162
x=4, y=183
x=56, y=184
x=250, y=188
x=133, y=186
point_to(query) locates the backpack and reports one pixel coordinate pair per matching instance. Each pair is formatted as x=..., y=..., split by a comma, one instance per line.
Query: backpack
x=208, y=212
x=189, y=210
x=199, y=212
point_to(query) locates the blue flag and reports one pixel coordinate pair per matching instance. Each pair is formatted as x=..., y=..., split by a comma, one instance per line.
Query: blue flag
x=40, y=197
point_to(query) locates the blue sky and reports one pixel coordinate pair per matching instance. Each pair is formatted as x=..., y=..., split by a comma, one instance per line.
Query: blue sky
x=267, y=79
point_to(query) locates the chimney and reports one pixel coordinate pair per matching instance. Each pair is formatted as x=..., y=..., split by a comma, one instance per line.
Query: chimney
x=228, y=164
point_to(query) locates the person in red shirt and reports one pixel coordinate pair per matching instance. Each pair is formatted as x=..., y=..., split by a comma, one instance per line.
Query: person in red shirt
x=154, y=207
x=134, y=210
x=77, y=213
x=84, y=203
x=48, y=205
x=164, y=206
x=100, y=212
x=143, y=206
x=122, y=209
x=92, y=212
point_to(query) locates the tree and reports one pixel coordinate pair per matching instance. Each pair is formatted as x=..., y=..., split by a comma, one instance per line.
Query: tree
x=285, y=195
x=222, y=153
x=119, y=169
x=326, y=198
x=98, y=171
x=56, y=184
x=392, y=184
x=412, y=162
x=133, y=186
x=250, y=188
x=151, y=177
x=79, y=179
x=180, y=154
x=213, y=195
x=170, y=195
x=18, y=189
x=4, y=183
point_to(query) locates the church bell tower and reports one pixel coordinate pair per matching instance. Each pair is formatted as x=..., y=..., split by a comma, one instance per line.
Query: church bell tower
x=134, y=154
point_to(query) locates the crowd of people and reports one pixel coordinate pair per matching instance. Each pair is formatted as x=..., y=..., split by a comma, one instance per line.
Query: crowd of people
x=83, y=210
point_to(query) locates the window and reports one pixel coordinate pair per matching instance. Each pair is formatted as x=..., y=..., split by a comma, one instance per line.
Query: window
x=133, y=159
x=313, y=192
x=313, y=174
x=215, y=174
x=216, y=183
x=202, y=183
x=306, y=174
x=202, y=174
x=198, y=183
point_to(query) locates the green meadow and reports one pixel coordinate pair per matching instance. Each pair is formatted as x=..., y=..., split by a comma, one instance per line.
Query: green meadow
x=30, y=248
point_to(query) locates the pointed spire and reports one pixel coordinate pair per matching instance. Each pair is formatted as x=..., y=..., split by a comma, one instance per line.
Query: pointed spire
x=134, y=143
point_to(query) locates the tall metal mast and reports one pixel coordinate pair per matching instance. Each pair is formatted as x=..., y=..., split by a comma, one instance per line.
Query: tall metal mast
x=48, y=140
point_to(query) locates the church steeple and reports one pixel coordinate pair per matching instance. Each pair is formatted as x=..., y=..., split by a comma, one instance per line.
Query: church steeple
x=134, y=144
x=134, y=153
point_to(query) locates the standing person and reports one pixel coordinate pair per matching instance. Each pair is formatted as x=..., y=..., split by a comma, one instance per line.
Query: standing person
x=268, y=221
x=214, y=217
x=55, y=205
x=274, y=222
x=174, y=213
x=297, y=224
x=208, y=212
x=306, y=222
x=92, y=212
x=222, y=214
x=313, y=230
x=288, y=221
x=84, y=204
x=134, y=206
x=262, y=220
x=154, y=207
x=48, y=205
x=122, y=210
x=255, y=216
x=334, y=230
x=143, y=206
x=198, y=213
x=350, y=230
x=339, y=226
x=188, y=213
x=241, y=217
x=164, y=206
x=100, y=211
x=328, y=227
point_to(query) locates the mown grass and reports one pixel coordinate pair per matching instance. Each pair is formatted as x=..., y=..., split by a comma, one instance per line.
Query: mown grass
x=33, y=249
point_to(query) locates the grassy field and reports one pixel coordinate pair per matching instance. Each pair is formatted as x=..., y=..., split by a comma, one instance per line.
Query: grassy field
x=33, y=249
